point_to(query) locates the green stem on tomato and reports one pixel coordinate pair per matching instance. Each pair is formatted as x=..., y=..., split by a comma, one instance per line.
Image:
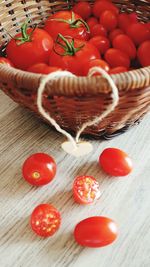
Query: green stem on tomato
x=25, y=37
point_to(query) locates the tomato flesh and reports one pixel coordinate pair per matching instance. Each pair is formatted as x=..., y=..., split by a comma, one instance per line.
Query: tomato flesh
x=95, y=232
x=45, y=220
x=39, y=169
x=85, y=189
x=115, y=162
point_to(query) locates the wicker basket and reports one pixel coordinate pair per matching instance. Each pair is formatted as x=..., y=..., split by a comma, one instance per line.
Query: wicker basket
x=72, y=101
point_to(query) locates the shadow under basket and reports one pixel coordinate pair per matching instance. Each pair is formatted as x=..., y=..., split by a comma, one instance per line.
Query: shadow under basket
x=71, y=101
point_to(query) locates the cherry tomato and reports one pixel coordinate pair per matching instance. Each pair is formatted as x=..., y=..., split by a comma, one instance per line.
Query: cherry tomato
x=144, y=54
x=73, y=56
x=148, y=26
x=83, y=9
x=98, y=29
x=92, y=21
x=101, y=43
x=39, y=169
x=109, y=20
x=123, y=21
x=117, y=58
x=133, y=17
x=101, y=6
x=67, y=23
x=96, y=232
x=95, y=63
x=42, y=68
x=33, y=46
x=114, y=34
x=45, y=220
x=138, y=32
x=125, y=44
x=117, y=70
x=85, y=189
x=6, y=61
x=115, y=162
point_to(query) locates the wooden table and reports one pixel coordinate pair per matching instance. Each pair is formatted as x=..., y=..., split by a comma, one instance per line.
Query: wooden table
x=126, y=200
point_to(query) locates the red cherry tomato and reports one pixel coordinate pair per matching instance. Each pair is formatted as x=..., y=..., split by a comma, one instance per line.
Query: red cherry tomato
x=95, y=63
x=117, y=70
x=138, y=32
x=109, y=20
x=85, y=189
x=101, y=43
x=45, y=220
x=92, y=21
x=95, y=232
x=114, y=34
x=74, y=57
x=133, y=17
x=67, y=24
x=42, y=68
x=6, y=61
x=123, y=21
x=148, y=26
x=39, y=169
x=117, y=58
x=144, y=54
x=125, y=44
x=98, y=29
x=34, y=47
x=115, y=162
x=83, y=9
x=101, y=6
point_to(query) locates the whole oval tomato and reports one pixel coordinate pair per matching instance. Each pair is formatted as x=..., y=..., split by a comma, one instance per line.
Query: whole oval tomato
x=124, y=21
x=138, y=32
x=67, y=23
x=92, y=21
x=45, y=220
x=83, y=9
x=117, y=70
x=95, y=63
x=42, y=68
x=125, y=44
x=114, y=34
x=101, y=43
x=73, y=55
x=144, y=54
x=117, y=58
x=85, y=189
x=115, y=162
x=109, y=20
x=29, y=47
x=6, y=61
x=96, y=232
x=101, y=6
x=98, y=30
x=133, y=17
x=39, y=169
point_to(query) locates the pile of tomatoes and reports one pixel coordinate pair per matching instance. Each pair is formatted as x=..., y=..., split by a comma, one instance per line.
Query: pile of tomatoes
x=81, y=38
x=40, y=169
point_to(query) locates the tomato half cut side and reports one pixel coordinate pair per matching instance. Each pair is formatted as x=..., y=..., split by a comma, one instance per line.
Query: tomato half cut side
x=85, y=189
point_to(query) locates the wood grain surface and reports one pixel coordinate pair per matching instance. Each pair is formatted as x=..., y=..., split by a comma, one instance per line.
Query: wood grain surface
x=126, y=200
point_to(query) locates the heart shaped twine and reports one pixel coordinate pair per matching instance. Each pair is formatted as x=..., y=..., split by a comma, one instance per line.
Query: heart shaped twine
x=75, y=146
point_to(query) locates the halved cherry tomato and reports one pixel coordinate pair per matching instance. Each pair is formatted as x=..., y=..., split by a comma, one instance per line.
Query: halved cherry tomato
x=39, y=169
x=42, y=68
x=117, y=70
x=6, y=61
x=95, y=63
x=96, y=232
x=114, y=34
x=83, y=9
x=144, y=54
x=98, y=29
x=124, y=43
x=101, y=6
x=74, y=54
x=109, y=20
x=85, y=189
x=138, y=32
x=45, y=220
x=101, y=42
x=29, y=47
x=67, y=23
x=92, y=21
x=117, y=58
x=115, y=162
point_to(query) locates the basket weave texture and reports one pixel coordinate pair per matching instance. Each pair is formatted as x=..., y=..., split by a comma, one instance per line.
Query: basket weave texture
x=72, y=101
